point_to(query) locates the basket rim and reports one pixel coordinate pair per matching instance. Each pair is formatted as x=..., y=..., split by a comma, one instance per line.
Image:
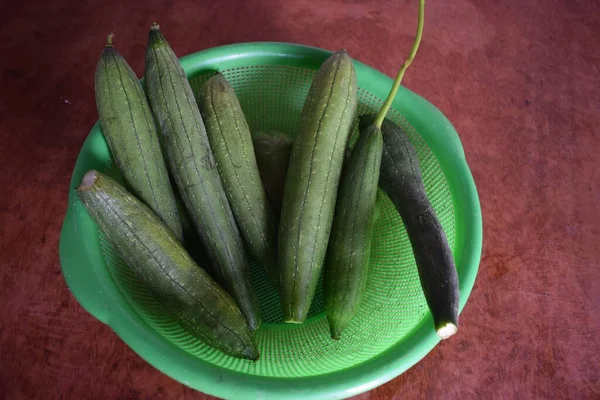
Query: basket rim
x=95, y=290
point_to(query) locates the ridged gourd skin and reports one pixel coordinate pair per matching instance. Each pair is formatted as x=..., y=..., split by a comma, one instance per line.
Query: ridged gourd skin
x=231, y=142
x=190, y=158
x=273, y=150
x=130, y=132
x=401, y=180
x=312, y=182
x=349, y=250
x=158, y=259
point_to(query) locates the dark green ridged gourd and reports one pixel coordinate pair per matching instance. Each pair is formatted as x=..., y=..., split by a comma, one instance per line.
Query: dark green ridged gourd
x=158, y=259
x=231, y=142
x=312, y=182
x=349, y=250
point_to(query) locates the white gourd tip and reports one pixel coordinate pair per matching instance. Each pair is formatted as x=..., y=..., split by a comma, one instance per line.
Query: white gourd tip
x=446, y=330
x=88, y=180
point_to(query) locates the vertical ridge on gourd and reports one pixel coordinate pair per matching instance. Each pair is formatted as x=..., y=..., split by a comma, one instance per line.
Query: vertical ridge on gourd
x=158, y=259
x=401, y=180
x=192, y=163
x=312, y=182
x=129, y=129
x=231, y=142
x=349, y=250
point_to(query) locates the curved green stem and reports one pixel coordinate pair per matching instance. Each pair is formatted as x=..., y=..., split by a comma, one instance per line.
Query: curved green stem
x=413, y=52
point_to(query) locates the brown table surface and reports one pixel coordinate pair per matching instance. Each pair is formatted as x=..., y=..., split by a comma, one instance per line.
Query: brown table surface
x=519, y=81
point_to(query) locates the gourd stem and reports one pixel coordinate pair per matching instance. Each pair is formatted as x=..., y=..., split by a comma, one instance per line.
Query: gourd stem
x=413, y=52
x=109, y=40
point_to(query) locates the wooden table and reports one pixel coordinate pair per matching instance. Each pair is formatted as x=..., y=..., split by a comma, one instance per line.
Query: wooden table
x=519, y=80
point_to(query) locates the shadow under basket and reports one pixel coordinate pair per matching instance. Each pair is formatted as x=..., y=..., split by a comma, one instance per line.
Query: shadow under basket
x=393, y=328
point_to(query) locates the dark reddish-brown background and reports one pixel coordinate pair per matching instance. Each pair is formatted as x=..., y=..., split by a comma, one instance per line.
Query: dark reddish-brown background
x=518, y=79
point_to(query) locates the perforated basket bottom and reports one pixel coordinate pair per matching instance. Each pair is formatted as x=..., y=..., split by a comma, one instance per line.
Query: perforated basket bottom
x=272, y=98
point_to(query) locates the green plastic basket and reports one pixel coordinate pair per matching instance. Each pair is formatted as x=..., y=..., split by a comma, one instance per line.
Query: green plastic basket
x=393, y=329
